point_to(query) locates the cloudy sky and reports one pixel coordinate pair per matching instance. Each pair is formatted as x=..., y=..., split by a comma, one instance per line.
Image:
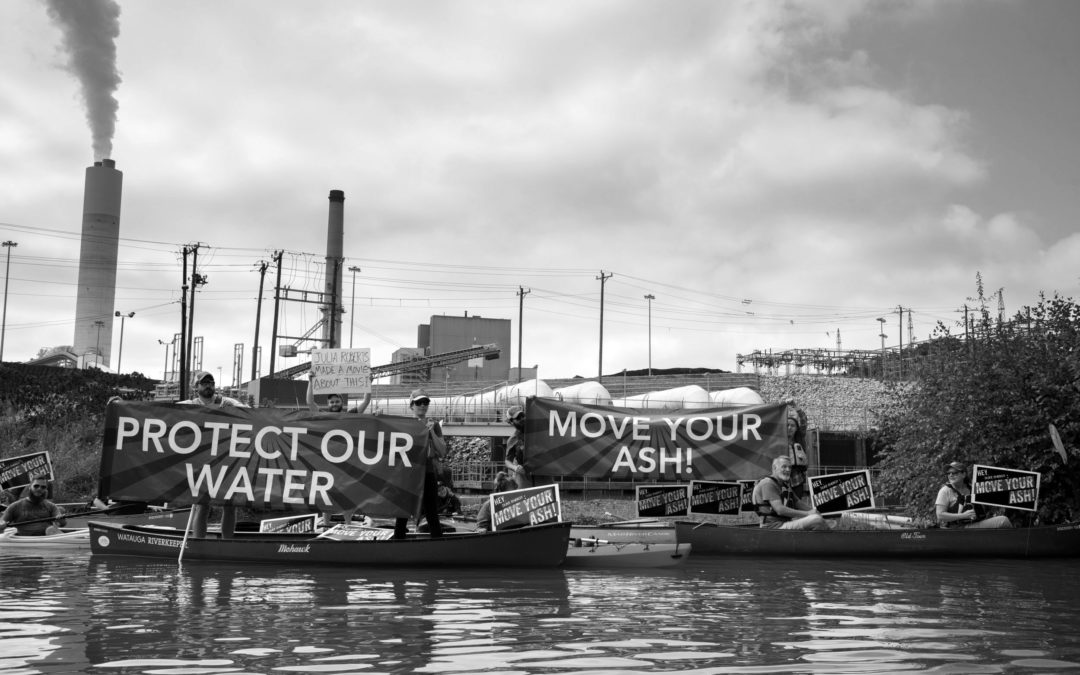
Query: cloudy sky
x=773, y=173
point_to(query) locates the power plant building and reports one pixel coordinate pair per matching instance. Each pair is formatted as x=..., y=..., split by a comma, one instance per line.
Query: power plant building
x=452, y=333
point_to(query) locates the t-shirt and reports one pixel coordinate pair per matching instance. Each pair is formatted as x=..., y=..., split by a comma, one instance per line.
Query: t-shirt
x=24, y=509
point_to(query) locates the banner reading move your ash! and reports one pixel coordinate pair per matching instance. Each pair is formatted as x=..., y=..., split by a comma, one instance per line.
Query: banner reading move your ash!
x=263, y=458
x=571, y=439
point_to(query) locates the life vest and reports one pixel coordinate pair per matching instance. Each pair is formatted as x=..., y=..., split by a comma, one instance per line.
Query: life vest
x=764, y=507
x=959, y=504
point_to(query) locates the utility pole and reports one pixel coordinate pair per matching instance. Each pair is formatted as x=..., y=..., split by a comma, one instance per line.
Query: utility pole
x=603, y=280
x=650, y=297
x=182, y=381
x=900, y=376
x=196, y=281
x=7, y=270
x=258, y=317
x=352, y=309
x=277, y=304
x=522, y=292
x=881, y=319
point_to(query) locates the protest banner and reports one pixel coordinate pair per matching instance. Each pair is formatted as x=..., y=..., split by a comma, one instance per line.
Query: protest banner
x=839, y=492
x=263, y=458
x=308, y=522
x=574, y=439
x=15, y=472
x=1010, y=488
x=658, y=501
x=748, y=497
x=721, y=498
x=341, y=371
x=528, y=506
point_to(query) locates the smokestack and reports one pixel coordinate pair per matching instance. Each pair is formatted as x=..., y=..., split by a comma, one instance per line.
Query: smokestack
x=335, y=243
x=96, y=298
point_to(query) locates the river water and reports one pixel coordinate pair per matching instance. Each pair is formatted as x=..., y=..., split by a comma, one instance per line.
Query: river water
x=73, y=613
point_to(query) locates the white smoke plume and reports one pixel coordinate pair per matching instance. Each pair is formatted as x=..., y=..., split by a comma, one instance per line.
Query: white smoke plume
x=90, y=29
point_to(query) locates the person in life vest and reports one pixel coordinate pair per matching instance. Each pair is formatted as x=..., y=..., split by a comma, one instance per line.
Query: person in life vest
x=777, y=504
x=797, y=453
x=515, y=447
x=954, y=507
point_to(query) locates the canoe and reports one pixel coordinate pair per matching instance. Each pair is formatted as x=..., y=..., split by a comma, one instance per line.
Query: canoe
x=600, y=553
x=642, y=530
x=67, y=539
x=1030, y=542
x=534, y=546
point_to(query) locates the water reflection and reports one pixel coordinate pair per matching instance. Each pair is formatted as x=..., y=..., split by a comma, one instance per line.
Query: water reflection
x=62, y=614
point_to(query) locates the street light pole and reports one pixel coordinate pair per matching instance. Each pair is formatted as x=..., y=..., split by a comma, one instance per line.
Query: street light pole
x=120, y=351
x=165, y=371
x=3, y=326
x=650, y=297
x=352, y=309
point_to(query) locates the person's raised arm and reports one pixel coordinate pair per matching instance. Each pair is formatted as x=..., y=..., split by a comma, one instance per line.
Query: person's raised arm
x=363, y=403
x=312, y=405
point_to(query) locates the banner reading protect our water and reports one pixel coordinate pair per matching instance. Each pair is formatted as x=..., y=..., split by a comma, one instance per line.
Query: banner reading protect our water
x=572, y=439
x=263, y=458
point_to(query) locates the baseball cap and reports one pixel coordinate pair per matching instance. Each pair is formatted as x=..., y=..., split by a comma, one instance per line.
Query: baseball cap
x=418, y=395
x=201, y=375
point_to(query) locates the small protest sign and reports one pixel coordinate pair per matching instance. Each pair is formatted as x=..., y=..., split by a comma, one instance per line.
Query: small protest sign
x=529, y=506
x=723, y=498
x=307, y=522
x=1010, y=488
x=748, y=496
x=656, y=501
x=18, y=471
x=341, y=371
x=348, y=532
x=839, y=492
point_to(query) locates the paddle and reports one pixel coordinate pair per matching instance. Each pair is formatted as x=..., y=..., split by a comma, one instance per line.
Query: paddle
x=61, y=516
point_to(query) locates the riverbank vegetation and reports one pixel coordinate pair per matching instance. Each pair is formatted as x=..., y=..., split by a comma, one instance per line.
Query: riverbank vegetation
x=988, y=396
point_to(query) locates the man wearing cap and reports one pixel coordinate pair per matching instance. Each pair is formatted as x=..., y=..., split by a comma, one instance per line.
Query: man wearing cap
x=436, y=447
x=953, y=504
x=206, y=393
x=515, y=447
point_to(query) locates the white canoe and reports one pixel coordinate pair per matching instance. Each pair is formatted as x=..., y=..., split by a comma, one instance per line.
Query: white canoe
x=67, y=539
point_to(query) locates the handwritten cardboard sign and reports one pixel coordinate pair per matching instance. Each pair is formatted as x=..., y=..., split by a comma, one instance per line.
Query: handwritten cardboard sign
x=308, y=522
x=839, y=492
x=657, y=501
x=748, y=496
x=529, y=506
x=723, y=498
x=341, y=371
x=1010, y=488
x=19, y=471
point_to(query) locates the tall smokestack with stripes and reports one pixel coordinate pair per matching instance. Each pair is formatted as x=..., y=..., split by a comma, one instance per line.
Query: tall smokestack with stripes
x=96, y=298
x=335, y=244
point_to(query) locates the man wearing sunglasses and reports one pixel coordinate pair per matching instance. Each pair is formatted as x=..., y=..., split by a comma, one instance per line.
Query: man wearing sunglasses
x=34, y=515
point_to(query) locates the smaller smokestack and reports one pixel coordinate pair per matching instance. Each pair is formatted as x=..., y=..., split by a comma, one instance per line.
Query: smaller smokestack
x=335, y=243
